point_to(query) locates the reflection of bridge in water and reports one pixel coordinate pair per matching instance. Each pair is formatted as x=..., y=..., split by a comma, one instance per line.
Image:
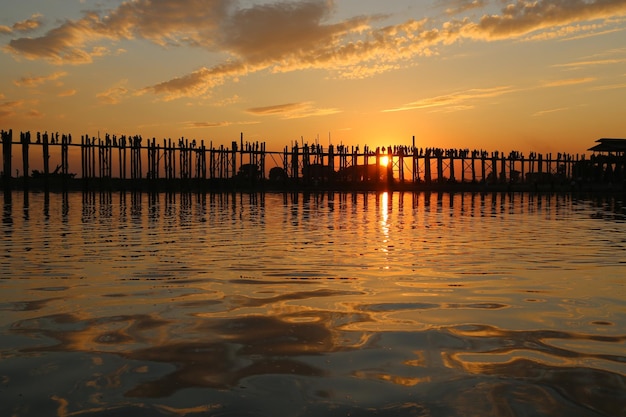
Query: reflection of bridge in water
x=131, y=161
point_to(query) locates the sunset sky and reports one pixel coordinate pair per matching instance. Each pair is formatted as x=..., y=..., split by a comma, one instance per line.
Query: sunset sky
x=544, y=75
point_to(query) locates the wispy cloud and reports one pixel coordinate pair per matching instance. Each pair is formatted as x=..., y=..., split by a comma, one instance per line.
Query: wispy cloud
x=455, y=7
x=570, y=81
x=461, y=100
x=544, y=112
x=115, y=94
x=9, y=108
x=292, y=110
x=523, y=16
x=34, y=114
x=608, y=87
x=35, y=81
x=196, y=83
x=197, y=125
x=226, y=101
x=596, y=62
x=67, y=93
x=276, y=109
x=571, y=32
x=208, y=124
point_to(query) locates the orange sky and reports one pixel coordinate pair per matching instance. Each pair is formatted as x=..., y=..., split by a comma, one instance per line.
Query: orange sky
x=543, y=76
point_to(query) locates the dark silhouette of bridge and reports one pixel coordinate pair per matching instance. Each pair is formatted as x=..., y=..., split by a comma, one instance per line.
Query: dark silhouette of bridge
x=131, y=162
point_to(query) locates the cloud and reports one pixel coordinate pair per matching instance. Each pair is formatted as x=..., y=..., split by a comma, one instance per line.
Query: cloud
x=34, y=114
x=8, y=108
x=580, y=64
x=227, y=101
x=461, y=100
x=571, y=81
x=208, y=124
x=198, y=82
x=544, y=112
x=24, y=26
x=355, y=49
x=609, y=87
x=59, y=45
x=523, y=17
x=38, y=80
x=292, y=110
x=286, y=36
x=276, y=109
x=67, y=93
x=28, y=25
x=455, y=7
x=196, y=125
x=114, y=95
x=164, y=22
x=571, y=32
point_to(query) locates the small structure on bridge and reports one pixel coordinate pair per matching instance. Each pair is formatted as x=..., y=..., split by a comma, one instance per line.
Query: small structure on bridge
x=608, y=162
x=609, y=146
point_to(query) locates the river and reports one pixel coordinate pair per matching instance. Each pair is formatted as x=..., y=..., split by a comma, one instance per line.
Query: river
x=329, y=304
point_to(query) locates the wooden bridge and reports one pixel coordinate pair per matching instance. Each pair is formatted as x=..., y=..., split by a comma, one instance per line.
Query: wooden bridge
x=131, y=160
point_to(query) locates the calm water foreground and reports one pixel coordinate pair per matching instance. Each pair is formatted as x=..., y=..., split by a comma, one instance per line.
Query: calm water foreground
x=127, y=304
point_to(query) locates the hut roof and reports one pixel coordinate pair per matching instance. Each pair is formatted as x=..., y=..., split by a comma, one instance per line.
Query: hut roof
x=609, y=145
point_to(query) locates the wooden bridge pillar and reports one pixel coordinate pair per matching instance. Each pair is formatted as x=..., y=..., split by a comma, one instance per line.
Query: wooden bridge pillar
x=25, y=141
x=389, y=165
x=439, y=167
x=416, y=164
x=234, y=159
x=66, y=140
x=7, y=145
x=452, y=157
x=377, y=179
x=46, y=154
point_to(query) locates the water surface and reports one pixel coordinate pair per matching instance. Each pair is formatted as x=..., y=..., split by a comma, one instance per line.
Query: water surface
x=312, y=305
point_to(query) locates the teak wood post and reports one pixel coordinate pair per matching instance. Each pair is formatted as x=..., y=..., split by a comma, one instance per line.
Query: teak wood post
x=65, y=141
x=462, y=158
x=234, y=159
x=483, y=167
x=25, y=141
x=46, y=154
x=83, y=159
x=451, y=168
x=100, y=159
x=416, y=164
x=474, y=166
x=7, y=145
x=439, y=156
x=377, y=166
x=389, y=165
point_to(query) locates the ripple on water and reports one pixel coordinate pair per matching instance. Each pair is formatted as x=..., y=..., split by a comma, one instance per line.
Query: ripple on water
x=362, y=304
